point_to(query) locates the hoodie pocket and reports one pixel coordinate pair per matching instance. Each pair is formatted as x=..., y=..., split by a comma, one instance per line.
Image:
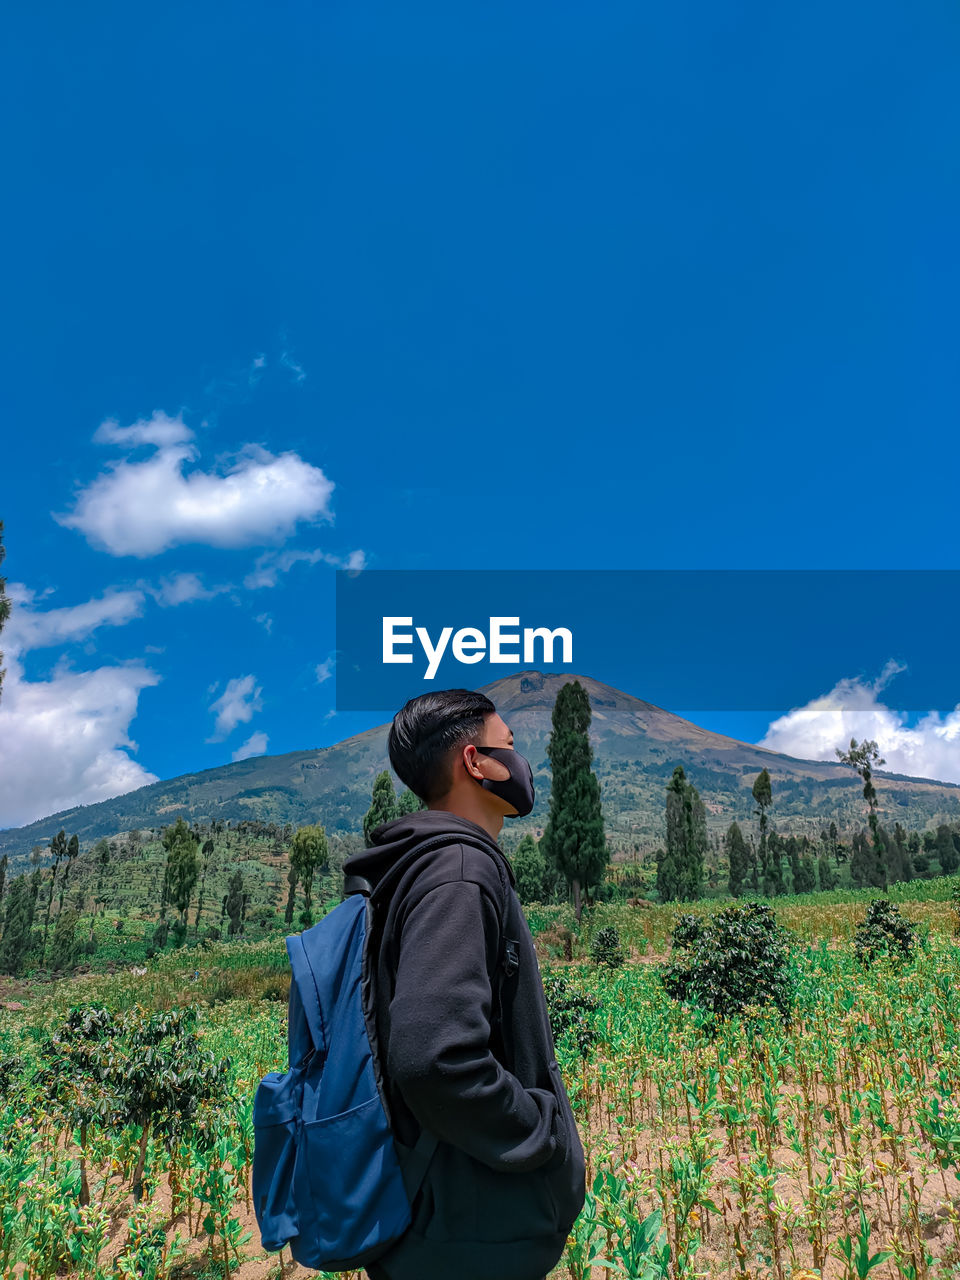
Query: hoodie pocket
x=465, y=1200
x=567, y=1180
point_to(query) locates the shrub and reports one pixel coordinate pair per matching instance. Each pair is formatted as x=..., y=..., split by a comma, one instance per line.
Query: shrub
x=731, y=962
x=606, y=947
x=883, y=933
x=568, y=1007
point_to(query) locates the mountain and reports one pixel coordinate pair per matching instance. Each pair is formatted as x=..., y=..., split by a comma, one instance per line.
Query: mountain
x=636, y=747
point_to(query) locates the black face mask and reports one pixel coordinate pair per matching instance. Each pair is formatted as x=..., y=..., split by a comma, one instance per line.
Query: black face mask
x=518, y=788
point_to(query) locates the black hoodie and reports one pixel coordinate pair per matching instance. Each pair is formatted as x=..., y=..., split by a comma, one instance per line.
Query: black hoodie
x=465, y=1040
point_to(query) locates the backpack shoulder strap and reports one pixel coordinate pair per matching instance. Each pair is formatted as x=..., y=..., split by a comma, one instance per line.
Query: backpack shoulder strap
x=359, y=884
x=307, y=988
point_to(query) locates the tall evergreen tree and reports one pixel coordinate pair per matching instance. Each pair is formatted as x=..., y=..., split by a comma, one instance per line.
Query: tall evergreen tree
x=530, y=870
x=292, y=879
x=573, y=840
x=738, y=859
x=17, y=926
x=3, y=876
x=825, y=873
x=837, y=847
x=682, y=866
x=383, y=804
x=668, y=874
x=63, y=947
x=233, y=903
x=206, y=853
x=866, y=870
x=58, y=851
x=308, y=855
x=946, y=850
x=863, y=758
x=899, y=864
x=101, y=855
x=806, y=880
x=181, y=870
x=73, y=851
x=763, y=798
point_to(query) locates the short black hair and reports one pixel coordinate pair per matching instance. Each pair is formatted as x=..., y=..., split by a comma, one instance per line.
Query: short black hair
x=424, y=732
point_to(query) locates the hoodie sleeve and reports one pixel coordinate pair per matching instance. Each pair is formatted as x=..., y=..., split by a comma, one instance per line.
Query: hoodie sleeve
x=439, y=1045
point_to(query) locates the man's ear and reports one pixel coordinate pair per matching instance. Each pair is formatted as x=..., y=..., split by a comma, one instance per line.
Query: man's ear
x=469, y=757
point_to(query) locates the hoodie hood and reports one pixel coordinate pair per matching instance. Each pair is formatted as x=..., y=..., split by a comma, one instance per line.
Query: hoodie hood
x=391, y=840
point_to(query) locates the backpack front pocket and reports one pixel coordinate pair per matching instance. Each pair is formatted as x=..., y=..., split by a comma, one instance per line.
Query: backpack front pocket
x=356, y=1187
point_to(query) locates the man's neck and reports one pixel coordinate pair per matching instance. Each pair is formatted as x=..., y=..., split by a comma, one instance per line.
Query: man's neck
x=478, y=813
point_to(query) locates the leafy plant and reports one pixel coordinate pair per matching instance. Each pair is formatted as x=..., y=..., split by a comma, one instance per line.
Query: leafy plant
x=569, y=1009
x=731, y=962
x=606, y=947
x=854, y=1252
x=884, y=933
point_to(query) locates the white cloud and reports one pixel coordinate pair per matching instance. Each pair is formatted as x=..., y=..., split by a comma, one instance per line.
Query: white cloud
x=852, y=709
x=182, y=588
x=66, y=740
x=266, y=621
x=324, y=669
x=255, y=745
x=160, y=430
x=236, y=705
x=141, y=508
x=271, y=564
x=30, y=628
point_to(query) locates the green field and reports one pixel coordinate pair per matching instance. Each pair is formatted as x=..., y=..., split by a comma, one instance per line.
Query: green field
x=757, y=1147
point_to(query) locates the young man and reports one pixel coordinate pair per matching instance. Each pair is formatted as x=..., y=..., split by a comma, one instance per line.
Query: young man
x=460, y=1010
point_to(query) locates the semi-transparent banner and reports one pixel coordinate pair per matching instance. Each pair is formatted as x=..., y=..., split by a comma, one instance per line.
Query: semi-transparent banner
x=709, y=639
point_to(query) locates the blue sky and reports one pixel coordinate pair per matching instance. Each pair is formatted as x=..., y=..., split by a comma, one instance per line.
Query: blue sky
x=436, y=286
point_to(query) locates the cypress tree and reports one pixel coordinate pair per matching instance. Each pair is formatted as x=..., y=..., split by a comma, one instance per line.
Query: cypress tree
x=946, y=850
x=530, y=870
x=73, y=850
x=866, y=871
x=63, y=948
x=308, y=854
x=825, y=873
x=738, y=858
x=806, y=878
x=206, y=853
x=291, y=894
x=839, y=851
x=58, y=850
x=899, y=866
x=763, y=798
x=383, y=804
x=863, y=758
x=181, y=871
x=17, y=926
x=573, y=840
x=681, y=868
x=233, y=902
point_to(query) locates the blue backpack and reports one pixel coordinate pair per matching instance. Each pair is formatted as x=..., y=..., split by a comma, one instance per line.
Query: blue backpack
x=329, y=1178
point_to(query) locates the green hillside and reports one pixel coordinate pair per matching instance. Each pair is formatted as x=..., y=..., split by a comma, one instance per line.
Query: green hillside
x=636, y=747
